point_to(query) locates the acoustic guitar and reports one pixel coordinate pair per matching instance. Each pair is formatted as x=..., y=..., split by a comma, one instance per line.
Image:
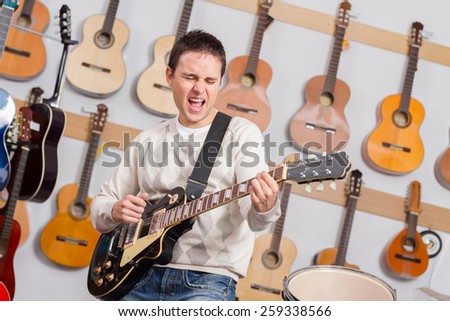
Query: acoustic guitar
x=248, y=78
x=320, y=124
x=152, y=89
x=7, y=111
x=69, y=238
x=41, y=169
x=407, y=255
x=25, y=56
x=6, y=11
x=271, y=261
x=9, y=228
x=395, y=146
x=442, y=168
x=96, y=67
x=124, y=255
x=333, y=256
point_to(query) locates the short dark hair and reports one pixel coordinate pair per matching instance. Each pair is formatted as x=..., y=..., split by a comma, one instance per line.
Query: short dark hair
x=198, y=41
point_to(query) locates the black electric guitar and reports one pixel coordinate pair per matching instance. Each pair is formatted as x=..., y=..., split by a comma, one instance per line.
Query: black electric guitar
x=42, y=166
x=123, y=255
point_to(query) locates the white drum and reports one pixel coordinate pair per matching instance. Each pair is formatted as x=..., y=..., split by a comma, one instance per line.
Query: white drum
x=335, y=283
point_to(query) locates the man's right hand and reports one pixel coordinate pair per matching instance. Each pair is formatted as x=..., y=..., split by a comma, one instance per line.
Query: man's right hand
x=129, y=209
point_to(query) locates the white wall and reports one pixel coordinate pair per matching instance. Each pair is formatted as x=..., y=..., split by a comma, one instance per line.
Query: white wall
x=295, y=54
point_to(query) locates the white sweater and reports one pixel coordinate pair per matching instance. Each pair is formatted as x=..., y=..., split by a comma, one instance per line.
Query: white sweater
x=221, y=240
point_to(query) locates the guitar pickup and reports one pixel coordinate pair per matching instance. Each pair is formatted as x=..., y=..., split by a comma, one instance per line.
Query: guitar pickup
x=91, y=66
x=322, y=128
x=71, y=240
x=162, y=87
x=264, y=288
x=407, y=258
x=249, y=111
x=397, y=147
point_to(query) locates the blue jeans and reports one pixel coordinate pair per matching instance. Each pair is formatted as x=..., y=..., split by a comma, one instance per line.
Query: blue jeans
x=167, y=284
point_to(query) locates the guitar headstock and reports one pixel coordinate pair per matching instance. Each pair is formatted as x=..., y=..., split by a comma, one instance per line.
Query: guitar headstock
x=416, y=33
x=343, y=16
x=99, y=119
x=65, y=24
x=320, y=168
x=412, y=203
x=354, y=182
x=35, y=96
x=25, y=118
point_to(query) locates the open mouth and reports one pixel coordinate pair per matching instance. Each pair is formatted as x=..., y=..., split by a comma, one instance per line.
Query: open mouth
x=196, y=104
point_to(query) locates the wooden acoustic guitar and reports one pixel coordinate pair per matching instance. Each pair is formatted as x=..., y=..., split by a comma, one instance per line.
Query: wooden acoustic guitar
x=407, y=255
x=333, y=256
x=7, y=111
x=442, y=168
x=152, y=89
x=271, y=261
x=9, y=228
x=124, y=255
x=320, y=125
x=25, y=56
x=96, y=67
x=395, y=146
x=41, y=169
x=6, y=12
x=69, y=238
x=248, y=78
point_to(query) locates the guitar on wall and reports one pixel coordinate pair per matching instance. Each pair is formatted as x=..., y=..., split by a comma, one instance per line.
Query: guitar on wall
x=7, y=111
x=9, y=228
x=320, y=124
x=248, y=78
x=333, y=256
x=395, y=146
x=96, y=67
x=152, y=89
x=407, y=255
x=25, y=56
x=123, y=255
x=70, y=238
x=6, y=11
x=41, y=169
x=442, y=168
x=271, y=261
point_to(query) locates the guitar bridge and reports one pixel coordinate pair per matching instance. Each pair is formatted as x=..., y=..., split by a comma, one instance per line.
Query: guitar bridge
x=249, y=111
x=397, y=147
x=322, y=128
x=407, y=258
x=264, y=288
x=71, y=240
x=162, y=87
x=91, y=66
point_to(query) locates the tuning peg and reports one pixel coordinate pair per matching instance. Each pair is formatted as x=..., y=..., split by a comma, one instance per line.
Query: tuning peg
x=320, y=187
x=333, y=185
x=308, y=188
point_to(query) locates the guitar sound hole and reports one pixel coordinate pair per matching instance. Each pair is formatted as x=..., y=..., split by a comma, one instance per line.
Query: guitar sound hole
x=271, y=259
x=248, y=80
x=78, y=211
x=326, y=99
x=409, y=245
x=401, y=119
x=24, y=21
x=103, y=40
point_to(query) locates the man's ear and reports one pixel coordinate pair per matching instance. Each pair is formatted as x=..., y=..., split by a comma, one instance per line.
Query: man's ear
x=169, y=76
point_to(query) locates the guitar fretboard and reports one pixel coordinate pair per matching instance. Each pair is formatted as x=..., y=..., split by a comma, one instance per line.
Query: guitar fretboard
x=279, y=225
x=409, y=78
x=110, y=17
x=330, y=81
x=5, y=17
x=346, y=230
x=184, y=20
x=27, y=8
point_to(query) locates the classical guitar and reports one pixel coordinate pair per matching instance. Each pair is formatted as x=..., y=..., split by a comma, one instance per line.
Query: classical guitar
x=333, y=256
x=42, y=166
x=271, y=261
x=320, y=124
x=9, y=228
x=123, y=255
x=152, y=89
x=25, y=56
x=6, y=12
x=248, y=78
x=442, y=168
x=395, y=146
x=69, y=238
x=96, y=67
x=4, y=294
x=407, y=255
x=7, y=111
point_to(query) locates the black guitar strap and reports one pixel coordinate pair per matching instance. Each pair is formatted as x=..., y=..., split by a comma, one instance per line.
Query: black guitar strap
x=198, y=180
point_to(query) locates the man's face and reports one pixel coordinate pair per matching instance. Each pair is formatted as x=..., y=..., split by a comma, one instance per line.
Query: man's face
x=195, y=84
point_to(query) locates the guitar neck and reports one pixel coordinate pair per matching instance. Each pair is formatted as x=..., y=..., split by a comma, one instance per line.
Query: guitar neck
x=253, y=59
x=5, y=16
x=409, y=78
x=279, y=225
x=110, y=17
x=184, y=21
x=412, y=226
x=346, y=230
x=330, y=81
x=54, y=100
x=27, y=8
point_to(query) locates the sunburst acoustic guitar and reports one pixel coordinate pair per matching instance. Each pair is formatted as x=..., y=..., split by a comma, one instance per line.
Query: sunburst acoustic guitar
x=152, y=89
x=25, y=55
x=333, y=256
x=407, y=255
x=320, y=124
x=248, y=78
x=271, y=261
x=395, y=146
x=96, y=66
x=442, y=168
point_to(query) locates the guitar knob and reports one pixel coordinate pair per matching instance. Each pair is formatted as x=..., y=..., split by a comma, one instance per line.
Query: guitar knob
x=97, y=270
x=107, y=264
x=99, y=282
x=109, y=277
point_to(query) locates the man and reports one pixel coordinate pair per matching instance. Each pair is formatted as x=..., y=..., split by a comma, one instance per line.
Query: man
x=207, y=260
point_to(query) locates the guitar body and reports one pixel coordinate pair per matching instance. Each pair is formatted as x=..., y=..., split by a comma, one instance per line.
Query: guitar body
x=328, y=257
x=442, y=168
x=7, y=259
x=7, y=111
x=322, y=117
x=69, y=240
x=407, y=264
x=25, y=56
x=267, y=270
x=41, y=170
x=239, y=98
x=98, y=71
x=152, y=88
x=4, y=294
x=408, y=152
